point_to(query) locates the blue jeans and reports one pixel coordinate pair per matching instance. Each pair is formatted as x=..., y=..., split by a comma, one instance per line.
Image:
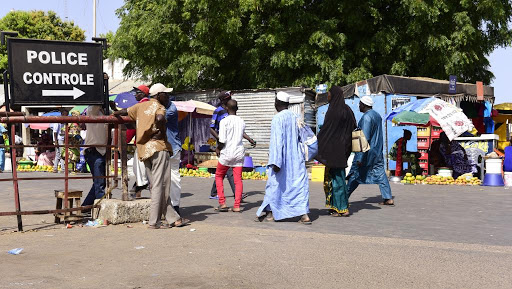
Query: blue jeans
x=369, y=175
x=96, y=163
x=2, y=158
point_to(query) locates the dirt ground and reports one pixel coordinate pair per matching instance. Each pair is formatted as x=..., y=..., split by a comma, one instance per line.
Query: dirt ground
x=434, y=238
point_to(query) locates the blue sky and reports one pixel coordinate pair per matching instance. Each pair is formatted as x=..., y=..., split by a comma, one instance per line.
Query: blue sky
x=80, y=11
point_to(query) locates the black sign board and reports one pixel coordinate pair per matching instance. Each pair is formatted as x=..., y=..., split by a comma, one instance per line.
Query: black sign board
x=46, y=72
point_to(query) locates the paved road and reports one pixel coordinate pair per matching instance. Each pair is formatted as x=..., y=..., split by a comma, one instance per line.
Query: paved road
x=436, y=237
x=473, y=215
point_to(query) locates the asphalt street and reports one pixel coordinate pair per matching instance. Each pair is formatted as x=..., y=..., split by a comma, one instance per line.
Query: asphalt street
x=435, y=237
x=463, y=214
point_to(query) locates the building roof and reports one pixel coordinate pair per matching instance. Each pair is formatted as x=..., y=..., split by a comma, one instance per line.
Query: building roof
x=416, y=86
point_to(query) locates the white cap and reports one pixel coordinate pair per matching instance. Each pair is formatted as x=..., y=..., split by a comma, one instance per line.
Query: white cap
x=157, y=88
x=367, y=100
x=283, y=96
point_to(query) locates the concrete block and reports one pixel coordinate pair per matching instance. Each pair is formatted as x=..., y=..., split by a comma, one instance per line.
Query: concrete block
x=119, y=212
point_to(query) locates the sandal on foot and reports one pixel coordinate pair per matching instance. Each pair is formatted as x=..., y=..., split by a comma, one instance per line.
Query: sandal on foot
x=155, y=227
x=265, y=218
x=236, y=210
x=305, y=222
x=336, y=214
x=259, y=219
x=387, y=203
x=183, y=223
x=222, y=209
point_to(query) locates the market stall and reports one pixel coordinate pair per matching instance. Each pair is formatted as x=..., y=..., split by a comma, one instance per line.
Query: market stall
x=391, y=92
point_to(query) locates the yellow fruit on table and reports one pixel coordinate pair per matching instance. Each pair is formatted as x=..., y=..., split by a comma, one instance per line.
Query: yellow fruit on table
x=408, y=175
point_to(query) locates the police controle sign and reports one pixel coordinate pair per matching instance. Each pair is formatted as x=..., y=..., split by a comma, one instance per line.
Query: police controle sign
x=55, y=72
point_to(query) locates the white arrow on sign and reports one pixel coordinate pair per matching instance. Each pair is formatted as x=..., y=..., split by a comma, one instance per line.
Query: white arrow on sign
x=75, y=92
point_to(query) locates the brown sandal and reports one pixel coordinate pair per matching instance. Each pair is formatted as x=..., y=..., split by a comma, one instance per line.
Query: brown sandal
x=222, y=209
x=387, y=203
x=305, y=220
x=183, y=223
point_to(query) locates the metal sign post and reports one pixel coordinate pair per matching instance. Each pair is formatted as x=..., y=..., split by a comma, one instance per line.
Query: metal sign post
x=44, y=72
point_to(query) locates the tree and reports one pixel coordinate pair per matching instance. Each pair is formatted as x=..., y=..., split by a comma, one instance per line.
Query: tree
x=38, y=25
x=271, y=43
x=110, y=36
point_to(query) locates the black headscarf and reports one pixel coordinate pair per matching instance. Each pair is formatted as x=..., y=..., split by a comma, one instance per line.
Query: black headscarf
x=335, y=137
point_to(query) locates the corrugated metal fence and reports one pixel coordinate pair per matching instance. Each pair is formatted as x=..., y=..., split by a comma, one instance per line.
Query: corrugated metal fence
x=256, y=108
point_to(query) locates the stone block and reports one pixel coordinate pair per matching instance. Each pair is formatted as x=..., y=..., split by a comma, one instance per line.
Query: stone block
x=119, y=212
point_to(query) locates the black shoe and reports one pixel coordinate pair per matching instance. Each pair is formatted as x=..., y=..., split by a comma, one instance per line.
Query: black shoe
x=138, y=189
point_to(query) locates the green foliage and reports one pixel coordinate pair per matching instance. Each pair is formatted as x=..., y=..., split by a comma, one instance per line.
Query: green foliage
x=38, y=25
x=271, y=43
x=110, y=36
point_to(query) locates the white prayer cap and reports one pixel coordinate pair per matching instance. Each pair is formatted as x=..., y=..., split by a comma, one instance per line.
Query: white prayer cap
x=283, y=96
x=157, y=88
x=367, y=100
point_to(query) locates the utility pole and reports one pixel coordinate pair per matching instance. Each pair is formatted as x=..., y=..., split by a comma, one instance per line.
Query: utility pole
x=94, y=18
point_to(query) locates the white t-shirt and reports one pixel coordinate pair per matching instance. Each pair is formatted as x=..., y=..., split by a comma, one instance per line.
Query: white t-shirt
x=59, y=129
x=96, y=132
x=231, y=133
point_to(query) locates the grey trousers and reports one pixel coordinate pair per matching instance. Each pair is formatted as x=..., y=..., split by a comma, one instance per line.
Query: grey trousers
x=158, y=168
x=58, y=159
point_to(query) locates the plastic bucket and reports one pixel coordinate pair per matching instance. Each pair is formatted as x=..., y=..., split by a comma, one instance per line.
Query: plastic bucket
x=493, y=180
x=204, y=148
x=445, y=172
x=317, y=173
x=261, y=170
x=248, y=162
x=508, y=179
x=493, y=166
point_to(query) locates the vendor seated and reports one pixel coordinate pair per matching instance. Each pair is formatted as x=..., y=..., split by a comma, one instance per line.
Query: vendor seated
x=435, y=157
x=45, y=152
x=399, y=153
x=453, y=156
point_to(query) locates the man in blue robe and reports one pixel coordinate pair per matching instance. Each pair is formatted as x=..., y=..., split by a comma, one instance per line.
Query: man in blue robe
x=368, y=167
x=287, y=190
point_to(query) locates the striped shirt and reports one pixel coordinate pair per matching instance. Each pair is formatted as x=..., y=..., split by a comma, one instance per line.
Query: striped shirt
x=231, y=133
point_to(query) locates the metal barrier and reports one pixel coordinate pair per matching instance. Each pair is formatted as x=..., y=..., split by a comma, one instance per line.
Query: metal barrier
x=119, y=146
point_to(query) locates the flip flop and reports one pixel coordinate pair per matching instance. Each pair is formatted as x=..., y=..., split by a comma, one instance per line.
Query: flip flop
x=308, y=222
x=336, y=214
x=222, y=209
x=387, y=204
x=239, y=210
x=264, y=218
x=259, y=219
x=158, y=227
x=183, y=223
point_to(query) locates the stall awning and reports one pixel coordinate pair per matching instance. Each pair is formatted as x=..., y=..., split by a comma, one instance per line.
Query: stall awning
x=416, y=86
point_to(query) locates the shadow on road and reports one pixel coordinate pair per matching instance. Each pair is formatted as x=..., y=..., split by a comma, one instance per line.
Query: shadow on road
x=366, y=204
x=194, y=213
x=185, y=195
